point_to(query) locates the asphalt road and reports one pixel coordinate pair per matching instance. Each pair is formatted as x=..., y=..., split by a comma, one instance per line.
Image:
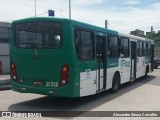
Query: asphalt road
x=141, y=95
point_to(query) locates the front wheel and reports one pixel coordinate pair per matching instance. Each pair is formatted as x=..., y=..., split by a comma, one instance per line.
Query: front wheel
x=146, y=74
x=115, y=83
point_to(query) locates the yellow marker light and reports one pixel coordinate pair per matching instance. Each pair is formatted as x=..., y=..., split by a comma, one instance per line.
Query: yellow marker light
x=65, y=69
x=13, y=65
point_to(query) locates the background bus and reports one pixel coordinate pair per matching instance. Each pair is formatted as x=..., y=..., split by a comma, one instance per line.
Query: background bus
x=67, y=58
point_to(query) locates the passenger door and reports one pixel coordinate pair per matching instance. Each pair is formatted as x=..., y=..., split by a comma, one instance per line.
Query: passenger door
x=101, y=62
x=152, y=57
x=133, y=59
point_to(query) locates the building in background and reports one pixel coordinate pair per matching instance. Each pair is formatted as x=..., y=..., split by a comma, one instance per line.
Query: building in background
x=156, y=37
x=4, y=47
x=149, y=33
x=138, y=32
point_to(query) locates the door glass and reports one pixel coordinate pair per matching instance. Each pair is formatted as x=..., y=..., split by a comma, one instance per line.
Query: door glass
x=99, y=49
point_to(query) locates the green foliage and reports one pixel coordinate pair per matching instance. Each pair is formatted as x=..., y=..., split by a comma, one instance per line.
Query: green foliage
x=156, y=37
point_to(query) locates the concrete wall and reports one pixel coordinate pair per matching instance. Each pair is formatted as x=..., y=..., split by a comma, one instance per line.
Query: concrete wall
x=5, y=57
x=5, y=64
x=4, y=46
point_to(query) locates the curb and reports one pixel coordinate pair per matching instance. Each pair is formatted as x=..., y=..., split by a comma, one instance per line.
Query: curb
x=4, y=82
x=5, y=85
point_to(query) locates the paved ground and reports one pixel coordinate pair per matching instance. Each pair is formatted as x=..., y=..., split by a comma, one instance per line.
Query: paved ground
x=142, y=95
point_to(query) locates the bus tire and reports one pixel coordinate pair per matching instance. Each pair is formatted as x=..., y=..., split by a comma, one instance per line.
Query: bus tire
x=146, y=73
x=115, y=83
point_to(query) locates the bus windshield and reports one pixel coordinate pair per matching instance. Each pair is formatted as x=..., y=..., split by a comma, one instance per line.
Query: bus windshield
x=39, y=35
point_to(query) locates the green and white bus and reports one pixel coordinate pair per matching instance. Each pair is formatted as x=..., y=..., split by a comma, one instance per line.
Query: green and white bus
x=67, y=58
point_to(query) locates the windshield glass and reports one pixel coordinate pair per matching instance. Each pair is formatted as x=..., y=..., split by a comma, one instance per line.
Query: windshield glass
x=39, y=35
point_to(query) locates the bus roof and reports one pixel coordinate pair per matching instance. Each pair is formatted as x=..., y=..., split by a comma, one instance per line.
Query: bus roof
x=95, y=28
x=74, y=22
x=135, y=37
x=81, y=24
x=36, y=19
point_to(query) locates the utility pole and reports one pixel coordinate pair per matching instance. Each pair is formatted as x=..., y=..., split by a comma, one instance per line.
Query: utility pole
x=69, y=9
x=159, y=37
x=151, y=32
x=35, y=3
x=106, y=23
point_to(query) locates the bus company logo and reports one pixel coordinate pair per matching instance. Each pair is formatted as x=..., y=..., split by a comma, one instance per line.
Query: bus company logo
x=6, y=114
x=88, y=73
x=125, y=63
x=95, y=81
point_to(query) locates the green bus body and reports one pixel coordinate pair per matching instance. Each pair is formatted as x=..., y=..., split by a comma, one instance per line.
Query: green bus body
x=39, y=70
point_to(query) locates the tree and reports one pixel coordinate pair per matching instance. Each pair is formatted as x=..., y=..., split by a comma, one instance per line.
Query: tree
x=156, y=37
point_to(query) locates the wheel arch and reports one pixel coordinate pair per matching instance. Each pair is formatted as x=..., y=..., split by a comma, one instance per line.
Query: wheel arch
x=115, y=83
x=117, y=72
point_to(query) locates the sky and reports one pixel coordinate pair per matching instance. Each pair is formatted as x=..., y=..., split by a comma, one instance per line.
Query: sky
x=122, y=15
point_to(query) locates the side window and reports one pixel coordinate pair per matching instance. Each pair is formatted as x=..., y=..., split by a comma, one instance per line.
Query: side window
x=140, y=49
x=100, y=47
x=125, y=47
x=144, y=49
x=84, y=41
x=113, y=47
x=148, y=49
